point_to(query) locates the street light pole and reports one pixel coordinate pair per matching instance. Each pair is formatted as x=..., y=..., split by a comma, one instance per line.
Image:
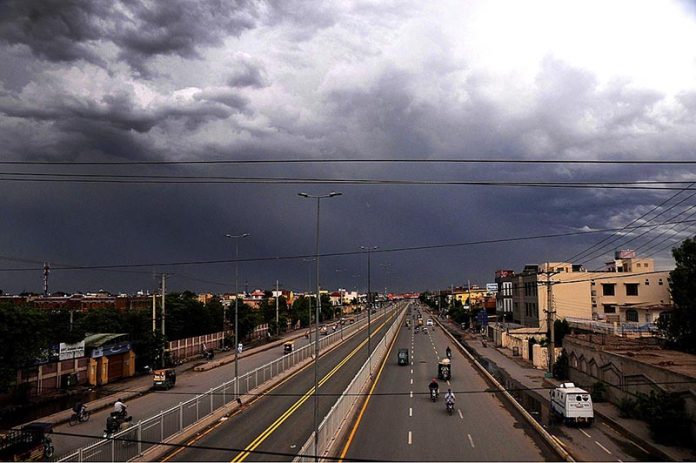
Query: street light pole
x=316, y=328
x=369, y=250
x=277, y=319
x=236, y=308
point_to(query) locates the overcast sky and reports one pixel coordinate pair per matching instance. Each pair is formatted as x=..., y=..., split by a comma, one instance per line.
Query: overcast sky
x=115, y=81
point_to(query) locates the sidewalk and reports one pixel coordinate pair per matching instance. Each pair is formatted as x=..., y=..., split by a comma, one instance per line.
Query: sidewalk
x=532, y=378
x=140, y=385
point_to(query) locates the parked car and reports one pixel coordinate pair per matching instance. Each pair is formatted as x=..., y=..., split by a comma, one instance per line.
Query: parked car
x=429, y=322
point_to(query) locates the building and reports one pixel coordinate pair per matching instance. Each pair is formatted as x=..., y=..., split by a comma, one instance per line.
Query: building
x=503, y=298
x=627, y=290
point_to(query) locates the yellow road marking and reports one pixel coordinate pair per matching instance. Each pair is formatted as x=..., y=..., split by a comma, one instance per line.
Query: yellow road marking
x=215, y=426
x=280, y=420
x=367, y=400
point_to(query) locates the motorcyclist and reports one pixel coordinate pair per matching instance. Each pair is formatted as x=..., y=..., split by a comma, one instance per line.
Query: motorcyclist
x=449, y=352
x=433, y=386
x=449, y=397
x=120, y=408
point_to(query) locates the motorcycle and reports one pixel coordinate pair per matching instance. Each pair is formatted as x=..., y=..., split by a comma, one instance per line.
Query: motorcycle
x=115, y=422
x=81, y=417
x=434, y=393
x=449, y=353
x=450, y=406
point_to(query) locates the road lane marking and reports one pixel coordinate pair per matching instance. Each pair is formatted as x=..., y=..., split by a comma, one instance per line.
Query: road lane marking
x=367, y=400
x=471, y=441
x=410, y=439
x=410, y=411
x=603, y=447
x=412, y=378
x=460, y=414
x=411, y=370
x=585, y=433
x=281, y=419
x=412, y=394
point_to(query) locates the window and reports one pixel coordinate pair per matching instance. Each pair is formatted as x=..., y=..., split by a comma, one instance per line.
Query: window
x=609, y=308
x=631, y=289
x=647, y=282
x=631, y=315
x=660, y=282
x=608, y=289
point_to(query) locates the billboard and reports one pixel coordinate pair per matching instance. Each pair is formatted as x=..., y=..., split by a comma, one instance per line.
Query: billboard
x=71, y=351
x=492, y=287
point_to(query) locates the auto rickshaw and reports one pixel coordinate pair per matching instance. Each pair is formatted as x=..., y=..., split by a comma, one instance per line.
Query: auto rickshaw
x=29, y=443
x=288, y=347
x=402, y=356
x=164, y=379
x=444, y=369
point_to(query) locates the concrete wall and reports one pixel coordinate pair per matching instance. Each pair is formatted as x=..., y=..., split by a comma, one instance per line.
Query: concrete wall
x=624, y=372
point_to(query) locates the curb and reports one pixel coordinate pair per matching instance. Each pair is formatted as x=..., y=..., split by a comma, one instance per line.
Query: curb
x=563, y=453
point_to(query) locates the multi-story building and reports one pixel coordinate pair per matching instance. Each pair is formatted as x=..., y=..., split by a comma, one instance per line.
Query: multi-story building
x=503, y=298
x=628, y=289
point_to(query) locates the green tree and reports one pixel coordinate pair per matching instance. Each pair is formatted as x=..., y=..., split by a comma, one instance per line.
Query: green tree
x=679, y=326
x=561, y=366
x=560, y=329
x=23, y=333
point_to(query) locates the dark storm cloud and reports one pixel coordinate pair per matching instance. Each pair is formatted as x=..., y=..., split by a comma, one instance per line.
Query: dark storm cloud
x=247, y=74
x=71, y=30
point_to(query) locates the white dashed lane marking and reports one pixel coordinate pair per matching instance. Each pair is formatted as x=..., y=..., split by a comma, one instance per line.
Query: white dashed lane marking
x=410, y=411
x=585, y=433
x=460, y=414
x=471, y=441
x=603, y=447
x=410, y=439
x=412, y=394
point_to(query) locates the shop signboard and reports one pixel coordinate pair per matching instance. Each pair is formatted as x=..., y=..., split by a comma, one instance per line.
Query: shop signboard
x=71, y=351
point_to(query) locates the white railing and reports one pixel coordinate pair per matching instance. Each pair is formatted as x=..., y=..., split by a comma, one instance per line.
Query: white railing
x=130, y=443
x=344, y=407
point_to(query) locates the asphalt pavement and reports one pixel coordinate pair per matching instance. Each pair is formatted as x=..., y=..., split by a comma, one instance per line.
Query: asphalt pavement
x=400, y=422
x=274, y=427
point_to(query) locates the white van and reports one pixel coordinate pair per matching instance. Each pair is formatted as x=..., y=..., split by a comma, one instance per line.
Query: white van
x=572, y=404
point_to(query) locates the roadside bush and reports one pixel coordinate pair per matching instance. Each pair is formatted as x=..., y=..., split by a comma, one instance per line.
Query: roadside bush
x=599, y=389
x=628, y=408
x=560, y=368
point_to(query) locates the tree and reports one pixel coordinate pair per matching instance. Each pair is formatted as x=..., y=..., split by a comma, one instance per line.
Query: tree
x=560, y=329
x=561, y=366
x=22, y=330
x=679, y=326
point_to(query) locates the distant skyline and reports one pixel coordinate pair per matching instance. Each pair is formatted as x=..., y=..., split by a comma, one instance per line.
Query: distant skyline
x=134, y=81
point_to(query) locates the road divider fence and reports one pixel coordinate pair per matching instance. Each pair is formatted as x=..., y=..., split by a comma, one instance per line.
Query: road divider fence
x=129, y=444
x=333, y=423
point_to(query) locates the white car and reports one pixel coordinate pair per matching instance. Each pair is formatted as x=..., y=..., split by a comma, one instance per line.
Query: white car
x=429, y=322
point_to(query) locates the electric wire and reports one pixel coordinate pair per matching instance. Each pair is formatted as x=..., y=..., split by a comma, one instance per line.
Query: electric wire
x=337, y=254
x=582, y=253
x=198, y=446
x=371, y=160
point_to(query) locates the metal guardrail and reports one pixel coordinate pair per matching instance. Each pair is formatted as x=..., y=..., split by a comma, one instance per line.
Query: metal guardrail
x=130, y=443
x=334, y=421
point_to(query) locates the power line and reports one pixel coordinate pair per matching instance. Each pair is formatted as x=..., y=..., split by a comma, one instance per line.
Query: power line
x=336, y=254
x=357, y=161
x=201, y=447
x=655, y=185
x=571, y=259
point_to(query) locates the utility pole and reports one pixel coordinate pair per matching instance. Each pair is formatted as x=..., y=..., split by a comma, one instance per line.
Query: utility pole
x=277, y=317
x=46, y=269
x=164, y=294
x=550, y=315
x=369, y=250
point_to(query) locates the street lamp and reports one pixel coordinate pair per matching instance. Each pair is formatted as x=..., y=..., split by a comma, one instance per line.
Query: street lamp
x=369, y=250
x=316, y=329
x=236, y=308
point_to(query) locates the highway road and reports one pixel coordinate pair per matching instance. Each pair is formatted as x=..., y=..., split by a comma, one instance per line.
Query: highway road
x=400, y=422
x=274, y=427
x=188, y=385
